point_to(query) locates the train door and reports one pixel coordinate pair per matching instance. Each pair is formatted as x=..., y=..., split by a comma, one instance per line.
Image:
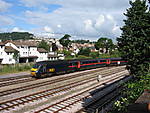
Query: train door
x=43, y=69
x=108, y=61
x=78, y=65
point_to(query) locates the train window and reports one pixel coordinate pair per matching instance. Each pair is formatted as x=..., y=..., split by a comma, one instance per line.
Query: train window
x=102, y=60
x=90, y=61
x=70, y=64
x=95, y=61
x=73, y=63
x=83, y=62
x=36, y=66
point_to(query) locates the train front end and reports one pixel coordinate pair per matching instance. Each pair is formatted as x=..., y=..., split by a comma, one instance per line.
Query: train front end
x=35, y=70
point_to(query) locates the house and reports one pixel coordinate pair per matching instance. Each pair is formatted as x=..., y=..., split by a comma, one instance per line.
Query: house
x=9, y=53
x=23, y=51
x=53, y=57
x=27, y=50
x=2, y=52
x=42, y=54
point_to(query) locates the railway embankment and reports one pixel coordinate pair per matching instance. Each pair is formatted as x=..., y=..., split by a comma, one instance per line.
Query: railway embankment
x=136, y=97
x=15, y=69
x=142, y=104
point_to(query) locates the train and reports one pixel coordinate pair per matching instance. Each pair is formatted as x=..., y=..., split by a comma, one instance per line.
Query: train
x=48, y=68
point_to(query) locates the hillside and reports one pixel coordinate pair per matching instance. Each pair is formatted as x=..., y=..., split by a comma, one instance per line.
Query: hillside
x=16, y=36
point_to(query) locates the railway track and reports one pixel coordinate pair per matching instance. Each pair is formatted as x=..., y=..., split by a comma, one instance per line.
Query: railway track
x=14, y=78
x=103, y=102
x=45, y=94
x=16, y=81
x=65, y=105
x=37, y=85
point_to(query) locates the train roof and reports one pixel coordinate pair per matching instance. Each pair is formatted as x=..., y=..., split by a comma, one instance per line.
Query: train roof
x=73, y=60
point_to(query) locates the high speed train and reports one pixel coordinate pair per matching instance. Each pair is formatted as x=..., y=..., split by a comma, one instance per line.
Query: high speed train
x=49, y=68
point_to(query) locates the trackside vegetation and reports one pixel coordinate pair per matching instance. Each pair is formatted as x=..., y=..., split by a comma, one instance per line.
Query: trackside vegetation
x=132, y=90
x=15, y=68
x=134, y=46
x=134, y=43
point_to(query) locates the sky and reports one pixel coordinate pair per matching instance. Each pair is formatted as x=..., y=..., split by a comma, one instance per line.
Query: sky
x=82, y=19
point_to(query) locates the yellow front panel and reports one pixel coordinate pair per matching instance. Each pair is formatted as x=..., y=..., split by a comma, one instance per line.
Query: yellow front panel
x=33, y=69
x=33, y=73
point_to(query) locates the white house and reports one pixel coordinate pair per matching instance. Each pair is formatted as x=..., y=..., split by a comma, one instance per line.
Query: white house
x=42, y=54
x=9, y=55
x=27, y=52
x=2, y=52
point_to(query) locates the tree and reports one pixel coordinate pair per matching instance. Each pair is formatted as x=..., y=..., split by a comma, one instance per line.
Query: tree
x=80, y=41
x=85, y=52
x=67, y=53
x=16, y=36
x=54, y=47
x=104, y=43
x=44, y=45
x=16, y=56
x=94, y=54
x=134, y=42
x=65, y=41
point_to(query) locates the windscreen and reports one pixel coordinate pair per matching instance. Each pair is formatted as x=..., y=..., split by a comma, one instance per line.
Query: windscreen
x=36, y=66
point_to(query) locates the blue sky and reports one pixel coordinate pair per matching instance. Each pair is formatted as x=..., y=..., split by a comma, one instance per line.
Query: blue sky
x=83, y=19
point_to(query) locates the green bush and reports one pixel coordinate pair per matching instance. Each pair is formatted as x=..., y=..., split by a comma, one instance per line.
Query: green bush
x=133, y=89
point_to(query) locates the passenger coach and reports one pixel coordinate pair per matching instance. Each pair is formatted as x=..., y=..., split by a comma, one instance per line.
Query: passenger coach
x=48, y=68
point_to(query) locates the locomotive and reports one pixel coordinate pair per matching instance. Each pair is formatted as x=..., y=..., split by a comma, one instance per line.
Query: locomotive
x=48, y=68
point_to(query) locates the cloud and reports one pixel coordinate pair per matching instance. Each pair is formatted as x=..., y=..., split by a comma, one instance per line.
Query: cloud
x=17, y=29
x=59, y=26
x=47, y=29
x=5, y=20
x=99, y=21
x=4, y=6
x=78, y=17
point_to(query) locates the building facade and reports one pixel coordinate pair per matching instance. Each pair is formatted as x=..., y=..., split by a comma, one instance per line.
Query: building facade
x=19, y=51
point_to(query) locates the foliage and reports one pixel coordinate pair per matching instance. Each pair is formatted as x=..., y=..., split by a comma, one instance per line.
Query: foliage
x=121, y=105
x=66, y=53
x=15, y=68
x=82, y=57
x=94, y=54
x=84, y=51
x=132, y=90
x=44, y=45
x=65, y=41
x=54, y=47
x=16, y=36
x=134, y=43
x=115, y=53
x=134, y=46
x=80, y=41
x=69, y=57
x=16, y=55
x=104, y=43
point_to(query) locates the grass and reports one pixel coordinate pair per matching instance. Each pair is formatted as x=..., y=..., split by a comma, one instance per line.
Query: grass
x=6, y=69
